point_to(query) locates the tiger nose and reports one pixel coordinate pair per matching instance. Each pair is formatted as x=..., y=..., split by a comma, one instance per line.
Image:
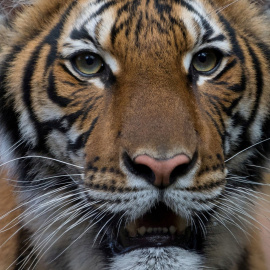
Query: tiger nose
x=163, y=169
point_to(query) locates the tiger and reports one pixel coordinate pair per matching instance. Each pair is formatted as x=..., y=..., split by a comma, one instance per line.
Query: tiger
x=134, y=134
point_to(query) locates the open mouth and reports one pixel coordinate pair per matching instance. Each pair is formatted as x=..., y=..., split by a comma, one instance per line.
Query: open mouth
x=160, y=227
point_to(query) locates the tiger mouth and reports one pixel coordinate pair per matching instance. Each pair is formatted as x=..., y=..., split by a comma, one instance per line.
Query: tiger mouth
x=160, y=227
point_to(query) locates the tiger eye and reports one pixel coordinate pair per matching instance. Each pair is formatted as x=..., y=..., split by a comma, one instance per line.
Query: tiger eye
x=205, y=60
x=88, y=63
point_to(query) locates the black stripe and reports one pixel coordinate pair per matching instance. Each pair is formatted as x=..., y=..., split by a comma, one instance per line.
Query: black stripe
x=103, y=8
x=215, y=124
x=81, y=140
x=265, y=147
x=224, y=71
x=30, y=68
x=215, y=110
x=162, y=7
x=69, y=83
x=90, y=107
x=180, y=24
x=215, y=101
x=80, y=82
x=259, y=82
x=52, y=93
x=130, y=7
x=265, y=49
x=81, y=34
x=234, y=42
x=208, y=29
x=124, y=8
x=8, y=114
x=217, y=38
x=239, y=87
x=245, y=138
x=244, y=263
x=139, y=28
x=229, y=110
x=86, y=108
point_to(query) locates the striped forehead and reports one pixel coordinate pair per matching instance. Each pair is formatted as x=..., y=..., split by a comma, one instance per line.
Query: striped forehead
x=88, y=30
x=94, y=25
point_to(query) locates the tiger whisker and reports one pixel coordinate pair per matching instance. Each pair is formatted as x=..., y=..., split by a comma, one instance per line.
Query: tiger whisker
x=248, y=182
x=31, y=210
x=51, y=218
x=261, y=167
x=96, y=237
x=23, y=226
x=19, y=217
x=202, y=225
x=250, y=192
x=226, y=6
x=118, y=225
x=255, y=211
x=228, y=210
x=28, y=242
x=82, y=219
x=82, y=234
x=28, y=202
x=22, y=253
x=45, y=242
x=12, y=148
x=43, y=179
x=246, y=149
x=218, y=218
x=42, y=157
x=244, y=213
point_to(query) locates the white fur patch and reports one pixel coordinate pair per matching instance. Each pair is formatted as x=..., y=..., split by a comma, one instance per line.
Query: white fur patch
x=170, y=258
x=27, y=128
x=7, y=152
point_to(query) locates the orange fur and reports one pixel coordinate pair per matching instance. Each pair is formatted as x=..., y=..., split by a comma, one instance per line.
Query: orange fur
x=9, y=251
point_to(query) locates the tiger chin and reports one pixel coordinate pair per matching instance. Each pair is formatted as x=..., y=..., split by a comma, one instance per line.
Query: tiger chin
x=135, y=132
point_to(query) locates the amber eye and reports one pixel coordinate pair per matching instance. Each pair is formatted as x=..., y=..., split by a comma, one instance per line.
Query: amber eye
x=88, y=63
x=206, y=60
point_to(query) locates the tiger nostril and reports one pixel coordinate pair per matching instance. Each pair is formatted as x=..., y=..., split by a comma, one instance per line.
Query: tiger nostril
x=160, y=173
x=138, y=169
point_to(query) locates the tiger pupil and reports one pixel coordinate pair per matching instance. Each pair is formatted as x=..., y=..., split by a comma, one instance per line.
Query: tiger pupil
x=202, y=57
x=89, y=60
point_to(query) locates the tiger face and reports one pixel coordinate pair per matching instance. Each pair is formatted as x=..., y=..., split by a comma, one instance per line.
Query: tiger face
x=137, y=127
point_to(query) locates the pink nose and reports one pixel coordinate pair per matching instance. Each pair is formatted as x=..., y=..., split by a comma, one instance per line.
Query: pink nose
x=162, y=168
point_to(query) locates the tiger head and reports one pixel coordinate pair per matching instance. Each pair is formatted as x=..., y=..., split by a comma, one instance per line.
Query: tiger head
x=136, y=129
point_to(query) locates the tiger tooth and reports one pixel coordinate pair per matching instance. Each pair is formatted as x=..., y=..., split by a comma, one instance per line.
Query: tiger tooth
x=149, y=230
x=142, y=230
x=172, y=229
x=181, y=225
x=132, y=229
x=132, y=233
x=165, y=230
x=154, y=230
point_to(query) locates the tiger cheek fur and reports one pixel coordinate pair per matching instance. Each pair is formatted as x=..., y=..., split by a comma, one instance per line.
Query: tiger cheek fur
x=131, y=122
